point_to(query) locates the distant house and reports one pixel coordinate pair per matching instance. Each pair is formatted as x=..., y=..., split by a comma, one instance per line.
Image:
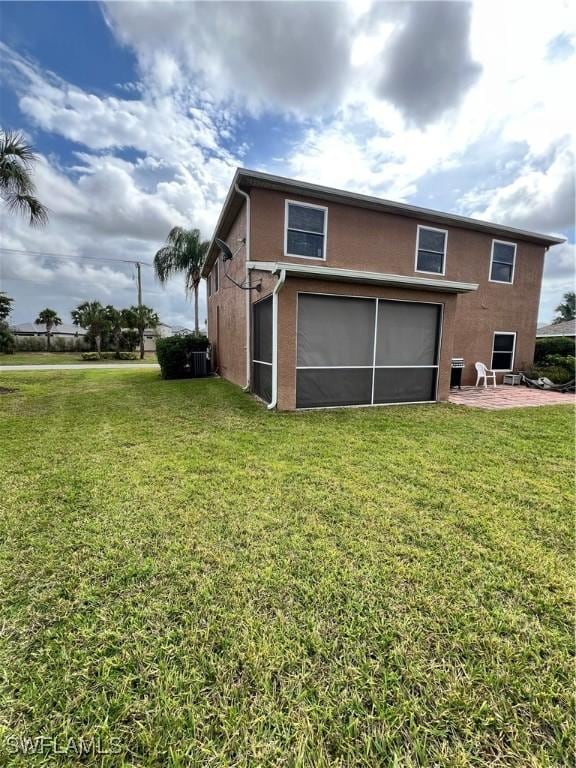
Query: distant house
x=71, y=332
x=565, y=328
x=59, y=331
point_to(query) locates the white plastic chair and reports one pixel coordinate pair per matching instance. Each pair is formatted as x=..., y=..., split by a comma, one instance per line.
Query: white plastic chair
x=484, y=373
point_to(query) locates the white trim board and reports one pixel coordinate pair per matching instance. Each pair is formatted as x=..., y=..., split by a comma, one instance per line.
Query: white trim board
x=321, y=272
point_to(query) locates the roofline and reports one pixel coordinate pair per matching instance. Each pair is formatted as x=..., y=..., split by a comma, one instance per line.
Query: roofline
x=554, y=335
x=245, y=175
x=361, y=276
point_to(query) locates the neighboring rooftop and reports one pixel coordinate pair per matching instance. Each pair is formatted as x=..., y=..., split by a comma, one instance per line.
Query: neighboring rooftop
x=58, y=330
x=247, y=179
x=565, y=328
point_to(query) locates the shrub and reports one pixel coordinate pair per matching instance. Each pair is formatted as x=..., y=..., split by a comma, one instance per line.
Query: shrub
x=127, y=356
x=556, y=374
x=7, y=340
x=555, y=345
x=107, y=356
x=30, y=343
x=175, y=354
x=90, y=356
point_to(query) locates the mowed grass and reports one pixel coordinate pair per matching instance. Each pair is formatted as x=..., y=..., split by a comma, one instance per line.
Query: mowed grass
x=58, y=358
x=211, y=584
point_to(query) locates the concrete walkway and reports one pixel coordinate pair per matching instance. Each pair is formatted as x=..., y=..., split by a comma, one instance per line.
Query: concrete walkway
x=498, y=398
x=75, y=366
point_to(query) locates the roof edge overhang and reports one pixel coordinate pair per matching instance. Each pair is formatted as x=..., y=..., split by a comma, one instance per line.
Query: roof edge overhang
x=359, y=276
x=248, y=179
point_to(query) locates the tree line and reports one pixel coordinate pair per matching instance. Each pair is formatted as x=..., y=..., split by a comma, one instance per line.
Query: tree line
x=106, y=325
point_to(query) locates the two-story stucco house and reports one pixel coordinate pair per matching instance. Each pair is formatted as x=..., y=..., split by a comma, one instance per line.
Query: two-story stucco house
x=333, y=298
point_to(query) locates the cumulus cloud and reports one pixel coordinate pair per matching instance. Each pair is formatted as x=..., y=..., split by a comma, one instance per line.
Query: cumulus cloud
x=401, y=100
x=538, y=198
x=264, y=56
x=427, y=66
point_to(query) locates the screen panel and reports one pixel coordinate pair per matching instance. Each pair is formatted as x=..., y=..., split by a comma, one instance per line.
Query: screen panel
x=262, y=331
x=262, y=381
x=333, y=386
x=335, y=331
x=404, y=385
x=407, y=333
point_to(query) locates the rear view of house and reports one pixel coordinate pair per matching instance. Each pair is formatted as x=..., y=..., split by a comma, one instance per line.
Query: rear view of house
x=336, y=299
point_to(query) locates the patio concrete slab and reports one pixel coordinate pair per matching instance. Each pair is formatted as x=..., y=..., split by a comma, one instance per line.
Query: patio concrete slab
x=500, y=397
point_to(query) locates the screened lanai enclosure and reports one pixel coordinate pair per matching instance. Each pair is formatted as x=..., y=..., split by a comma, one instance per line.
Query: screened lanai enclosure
x=365, y=351
x=353, y=351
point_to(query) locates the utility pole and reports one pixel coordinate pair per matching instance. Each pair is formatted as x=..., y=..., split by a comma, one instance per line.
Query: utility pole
x=140, y=328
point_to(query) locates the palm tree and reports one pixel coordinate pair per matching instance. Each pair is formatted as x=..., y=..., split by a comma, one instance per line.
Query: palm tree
x=49, y=318
x=16, y=186
x=115, y=319
x=92, y=316
x=141, y=318
x=567, y=309
x=185, y=252
x=7, y=341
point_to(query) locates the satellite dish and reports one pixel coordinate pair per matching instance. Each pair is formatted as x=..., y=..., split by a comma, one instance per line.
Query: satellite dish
x=226, y=252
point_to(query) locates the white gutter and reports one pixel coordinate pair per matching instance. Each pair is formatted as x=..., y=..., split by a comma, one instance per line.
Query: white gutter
x=361, y=276
x=277, y=289
x=247, y=292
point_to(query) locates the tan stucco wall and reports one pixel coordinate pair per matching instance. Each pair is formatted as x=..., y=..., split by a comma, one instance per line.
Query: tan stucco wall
x=227, y=310
x=359, y=238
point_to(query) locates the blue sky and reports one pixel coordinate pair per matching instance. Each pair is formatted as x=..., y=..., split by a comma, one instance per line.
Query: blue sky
x=141, y=112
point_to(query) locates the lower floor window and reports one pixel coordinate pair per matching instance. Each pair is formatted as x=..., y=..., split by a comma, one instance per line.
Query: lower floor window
x=503, y=348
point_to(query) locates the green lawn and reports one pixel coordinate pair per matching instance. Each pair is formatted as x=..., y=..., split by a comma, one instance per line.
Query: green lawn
x=215, y=585
x=56, y=358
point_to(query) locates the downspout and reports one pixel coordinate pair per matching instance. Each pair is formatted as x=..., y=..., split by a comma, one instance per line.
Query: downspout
x=247, y=300
x=277, y=289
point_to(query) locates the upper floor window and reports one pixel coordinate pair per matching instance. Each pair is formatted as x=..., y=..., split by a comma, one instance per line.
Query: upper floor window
x=209, y=285
x=503, y=348
x=431, y=250
x=216, y=273
x=305, y=230
x=502, y=262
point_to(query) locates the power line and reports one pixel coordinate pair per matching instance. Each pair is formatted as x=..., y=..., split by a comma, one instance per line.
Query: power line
x=68, y=257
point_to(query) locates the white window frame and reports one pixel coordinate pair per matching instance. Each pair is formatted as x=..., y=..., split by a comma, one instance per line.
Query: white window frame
x=503, y=333
x=502, y=282
x=432, y=229
x=216, y=271
x=287, y=204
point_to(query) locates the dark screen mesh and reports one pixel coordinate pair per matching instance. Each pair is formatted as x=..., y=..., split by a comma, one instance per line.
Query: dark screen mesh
x=333, y=386
x=262, y=317
x=335, y=330
x=407, y=333
x=262, y=381
x=404, y=385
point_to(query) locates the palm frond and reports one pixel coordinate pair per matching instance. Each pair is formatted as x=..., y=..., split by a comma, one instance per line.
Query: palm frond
x=28, y=206
x=15, y=178
x=13, y=144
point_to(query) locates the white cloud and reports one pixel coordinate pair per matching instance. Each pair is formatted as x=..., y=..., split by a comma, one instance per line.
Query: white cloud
x=495, y=122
